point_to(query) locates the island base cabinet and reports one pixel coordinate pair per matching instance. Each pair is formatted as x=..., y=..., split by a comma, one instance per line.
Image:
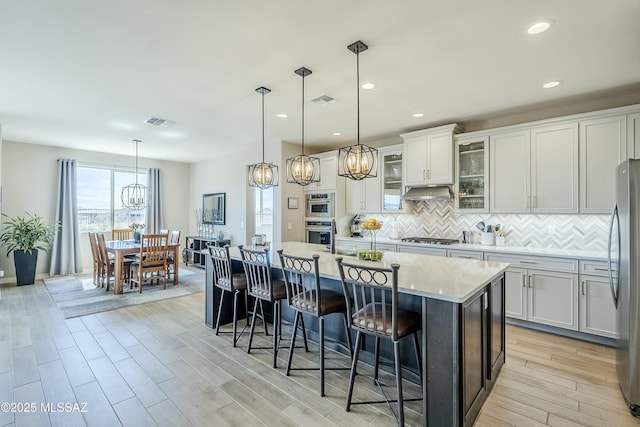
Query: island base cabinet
x=472, y=353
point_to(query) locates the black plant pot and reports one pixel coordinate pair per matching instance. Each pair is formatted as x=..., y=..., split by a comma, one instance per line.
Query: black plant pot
x=25, y=263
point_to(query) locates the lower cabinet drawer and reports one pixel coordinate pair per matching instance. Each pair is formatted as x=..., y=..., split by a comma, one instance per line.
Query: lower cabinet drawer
x=597, y=268
x=540, y=263
x=454, y=253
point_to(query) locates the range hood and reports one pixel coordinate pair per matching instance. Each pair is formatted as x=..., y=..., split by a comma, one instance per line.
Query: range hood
x=428, y=193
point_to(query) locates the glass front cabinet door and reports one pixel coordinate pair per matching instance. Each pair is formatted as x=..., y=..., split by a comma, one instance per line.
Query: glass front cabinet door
x=391, y=167
x=472, y=161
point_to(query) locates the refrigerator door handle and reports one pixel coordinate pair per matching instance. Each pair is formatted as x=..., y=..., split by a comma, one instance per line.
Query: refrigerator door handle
x=614, y=290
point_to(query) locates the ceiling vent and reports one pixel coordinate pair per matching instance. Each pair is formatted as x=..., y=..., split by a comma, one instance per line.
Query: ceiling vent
x=156, y=121
x=323, y=100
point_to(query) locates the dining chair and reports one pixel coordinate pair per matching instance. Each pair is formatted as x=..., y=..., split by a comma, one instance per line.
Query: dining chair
x=228, y=282
x=97, y=264
x=152, y=260
x=263, y=287
x=108, y=264
x=305, y=296
x=122, y=234
x=174, y=239
x=374, y=293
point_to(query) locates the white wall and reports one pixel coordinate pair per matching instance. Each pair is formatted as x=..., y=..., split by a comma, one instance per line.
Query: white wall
x=29, y=173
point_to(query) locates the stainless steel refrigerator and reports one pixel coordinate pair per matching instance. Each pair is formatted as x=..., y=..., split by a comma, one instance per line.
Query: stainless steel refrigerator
x=624, y=256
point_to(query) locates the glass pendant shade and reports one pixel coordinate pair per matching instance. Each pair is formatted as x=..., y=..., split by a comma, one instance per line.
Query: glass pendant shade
x=303, y=170
x=263, y=175
x=358, y=161
x=135, y=196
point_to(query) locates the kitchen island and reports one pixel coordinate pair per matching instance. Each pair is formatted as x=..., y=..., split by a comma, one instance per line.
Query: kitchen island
x=463, y=322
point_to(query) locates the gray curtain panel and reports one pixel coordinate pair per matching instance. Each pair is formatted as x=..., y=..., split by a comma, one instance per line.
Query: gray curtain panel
x=155, y=216
x=66, y=253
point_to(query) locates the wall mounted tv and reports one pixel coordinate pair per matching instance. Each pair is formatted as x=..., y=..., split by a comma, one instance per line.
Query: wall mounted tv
x=213, y=208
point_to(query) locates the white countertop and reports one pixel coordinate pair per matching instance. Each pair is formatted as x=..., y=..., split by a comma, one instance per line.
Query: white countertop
x=515, y=250
x=449, y=279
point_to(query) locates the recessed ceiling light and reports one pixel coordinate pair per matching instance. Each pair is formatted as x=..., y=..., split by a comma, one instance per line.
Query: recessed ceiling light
x=282, y=116
x=418, y=115
x=368, y=85
x=552, y=84
x=539, y=27
x=337, y=133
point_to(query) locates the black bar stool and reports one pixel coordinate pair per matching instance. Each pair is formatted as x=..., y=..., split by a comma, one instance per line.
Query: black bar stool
x=376, y=313
x=304, y=294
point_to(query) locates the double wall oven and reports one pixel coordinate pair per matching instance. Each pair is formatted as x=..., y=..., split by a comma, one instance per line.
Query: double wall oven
x=319, y=211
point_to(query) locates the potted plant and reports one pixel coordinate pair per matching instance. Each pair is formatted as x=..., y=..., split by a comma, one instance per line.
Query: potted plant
x=25, y=236
x=137, y=231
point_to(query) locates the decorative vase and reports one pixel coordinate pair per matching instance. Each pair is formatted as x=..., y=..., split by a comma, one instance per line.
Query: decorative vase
x=136, y=236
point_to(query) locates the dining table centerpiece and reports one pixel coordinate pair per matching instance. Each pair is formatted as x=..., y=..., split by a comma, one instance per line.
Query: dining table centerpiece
x=137, y=231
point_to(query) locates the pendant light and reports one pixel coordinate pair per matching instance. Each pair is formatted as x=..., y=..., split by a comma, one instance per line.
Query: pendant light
x=135, y=196
x=262, y=175
x=358, y=161
x=303, y=170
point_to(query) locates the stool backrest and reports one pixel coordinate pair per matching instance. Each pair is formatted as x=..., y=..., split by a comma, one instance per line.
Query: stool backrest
x=302, y=280
x=373, y=291
x=221, y=260
x=257, y=269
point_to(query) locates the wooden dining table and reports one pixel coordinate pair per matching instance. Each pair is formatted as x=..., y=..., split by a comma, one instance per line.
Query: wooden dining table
x=120, y=248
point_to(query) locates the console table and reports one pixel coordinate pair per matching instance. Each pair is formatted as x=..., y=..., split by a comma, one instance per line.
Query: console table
x=193, y=246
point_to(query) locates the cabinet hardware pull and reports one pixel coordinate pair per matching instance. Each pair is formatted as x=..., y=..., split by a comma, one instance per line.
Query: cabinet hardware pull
x=530, y=281
x=527, y=262
x=524, y=281
x=583, y=285
x=601, y=269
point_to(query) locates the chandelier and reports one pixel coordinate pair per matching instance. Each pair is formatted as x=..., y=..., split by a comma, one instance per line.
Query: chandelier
x=301, y=169
x=135, y=196
x=358, y=161
x=262, y=175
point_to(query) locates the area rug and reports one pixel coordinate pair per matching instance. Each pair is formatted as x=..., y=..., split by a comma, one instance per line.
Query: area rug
x=78, y=296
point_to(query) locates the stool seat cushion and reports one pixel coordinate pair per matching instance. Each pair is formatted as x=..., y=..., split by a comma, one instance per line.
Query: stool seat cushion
x=238, y=282
x=330, y=302
x=372, y=317
x=279, y=290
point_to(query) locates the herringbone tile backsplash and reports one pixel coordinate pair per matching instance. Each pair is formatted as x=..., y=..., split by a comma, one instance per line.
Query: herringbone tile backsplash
x=438, y=218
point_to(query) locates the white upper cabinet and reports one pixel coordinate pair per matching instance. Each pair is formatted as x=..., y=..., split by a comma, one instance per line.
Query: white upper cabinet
x=633, y=135
x=535, y=170
x=363, y=196
x=509, y=187
x=328, y=172
x=429, y=156
x=554, y=168
x=603, y=145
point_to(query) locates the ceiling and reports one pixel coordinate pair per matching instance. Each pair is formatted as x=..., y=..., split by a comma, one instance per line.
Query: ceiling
x=86, y=75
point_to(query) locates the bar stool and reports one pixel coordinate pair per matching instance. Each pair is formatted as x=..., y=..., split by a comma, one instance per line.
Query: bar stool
x=227, y=281
x=263, y=287
x=376, y=313
x=302, y=280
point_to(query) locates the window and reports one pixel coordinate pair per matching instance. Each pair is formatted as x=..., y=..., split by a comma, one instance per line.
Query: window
x=99, y=204
x=264, y=212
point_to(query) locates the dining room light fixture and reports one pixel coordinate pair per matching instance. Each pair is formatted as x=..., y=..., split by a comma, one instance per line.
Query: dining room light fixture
x=263, y=175
x=135, y=196
x=303, y=170
x=358, y=161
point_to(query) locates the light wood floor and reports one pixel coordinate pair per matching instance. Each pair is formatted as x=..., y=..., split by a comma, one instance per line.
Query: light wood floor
x=157, y=364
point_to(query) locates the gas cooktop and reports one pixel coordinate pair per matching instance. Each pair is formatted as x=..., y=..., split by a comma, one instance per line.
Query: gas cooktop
x=430, y=240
